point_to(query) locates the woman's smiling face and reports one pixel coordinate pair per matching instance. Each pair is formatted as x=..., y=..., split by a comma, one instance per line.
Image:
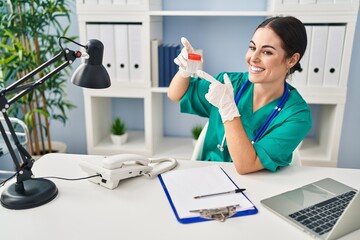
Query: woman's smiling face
x=266, y=57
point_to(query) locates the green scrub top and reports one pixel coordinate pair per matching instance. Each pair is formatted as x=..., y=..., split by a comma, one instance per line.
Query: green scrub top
x=280, y=139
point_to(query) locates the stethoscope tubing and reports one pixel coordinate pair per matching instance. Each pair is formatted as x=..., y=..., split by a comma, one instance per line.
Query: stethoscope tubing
x=273, y=114
x=267, y=122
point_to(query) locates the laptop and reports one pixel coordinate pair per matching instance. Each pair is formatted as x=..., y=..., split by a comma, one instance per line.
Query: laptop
x=326, y=209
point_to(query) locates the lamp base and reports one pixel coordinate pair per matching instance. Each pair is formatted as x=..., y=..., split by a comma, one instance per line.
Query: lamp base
x=29, y=194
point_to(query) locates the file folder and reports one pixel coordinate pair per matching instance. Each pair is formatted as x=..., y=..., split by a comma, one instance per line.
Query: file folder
x=122, y=69
x=107, y=38
x=317, y=55
x=174, y=52
x=167, y=63
x=135, y=53
x=300, y=77
x=104, y=33
x=181, y=186
x=92, y=31
x=155, y=62
x=334, y=55
x=161, y=68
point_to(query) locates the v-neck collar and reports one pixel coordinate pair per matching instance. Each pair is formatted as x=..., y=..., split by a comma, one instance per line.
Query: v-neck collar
x=246, y=105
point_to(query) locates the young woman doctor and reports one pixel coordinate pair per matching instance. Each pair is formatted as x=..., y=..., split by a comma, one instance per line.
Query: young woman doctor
x=256, y=119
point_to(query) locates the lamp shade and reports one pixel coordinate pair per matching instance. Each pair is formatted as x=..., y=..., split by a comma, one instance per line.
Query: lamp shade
x=92, y=74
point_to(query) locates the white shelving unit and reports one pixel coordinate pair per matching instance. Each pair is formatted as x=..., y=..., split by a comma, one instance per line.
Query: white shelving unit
x=321, y=149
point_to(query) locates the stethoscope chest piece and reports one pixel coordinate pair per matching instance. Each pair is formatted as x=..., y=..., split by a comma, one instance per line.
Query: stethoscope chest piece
x=220, y=147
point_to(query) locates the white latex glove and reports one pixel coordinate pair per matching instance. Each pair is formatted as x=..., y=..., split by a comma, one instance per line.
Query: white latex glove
x=221, y=96
x=182, y=59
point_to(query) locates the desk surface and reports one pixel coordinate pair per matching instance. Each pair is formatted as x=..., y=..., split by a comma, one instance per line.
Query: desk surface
x=139, y=209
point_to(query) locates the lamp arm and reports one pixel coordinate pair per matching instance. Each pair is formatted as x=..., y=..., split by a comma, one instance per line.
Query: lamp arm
x=70, y=56
x=24, y=166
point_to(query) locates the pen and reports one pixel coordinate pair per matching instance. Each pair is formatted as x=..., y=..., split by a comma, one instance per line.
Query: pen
x=239, y=190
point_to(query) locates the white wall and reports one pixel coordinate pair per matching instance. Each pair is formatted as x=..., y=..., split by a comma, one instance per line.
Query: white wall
x=349, y=154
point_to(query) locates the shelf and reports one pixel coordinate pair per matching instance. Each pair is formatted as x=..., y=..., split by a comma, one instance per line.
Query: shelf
x=322, y=95
x=213, y=13
x=314, y=154
x=312, y=95
x=159, y=89
x=135, y=144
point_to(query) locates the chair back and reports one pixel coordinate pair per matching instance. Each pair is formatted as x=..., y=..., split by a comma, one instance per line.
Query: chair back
x=296, y=160
x=199, y=143
x=21, y=130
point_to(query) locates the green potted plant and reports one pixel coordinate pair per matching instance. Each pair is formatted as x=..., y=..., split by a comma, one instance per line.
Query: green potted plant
x=29, y=33
x=195, y=131
x=118, y=131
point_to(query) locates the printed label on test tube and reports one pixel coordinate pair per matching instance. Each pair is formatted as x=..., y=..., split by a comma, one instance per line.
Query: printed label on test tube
x=194, y=62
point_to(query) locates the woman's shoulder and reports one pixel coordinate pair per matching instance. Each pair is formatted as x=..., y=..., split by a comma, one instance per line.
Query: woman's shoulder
x=297, y=103
x=295, y=95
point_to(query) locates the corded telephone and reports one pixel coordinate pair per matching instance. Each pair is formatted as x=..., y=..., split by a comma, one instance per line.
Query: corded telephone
x=122, y=166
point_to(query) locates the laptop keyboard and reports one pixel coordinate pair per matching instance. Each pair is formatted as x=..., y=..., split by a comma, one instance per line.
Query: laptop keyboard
x=322, y=217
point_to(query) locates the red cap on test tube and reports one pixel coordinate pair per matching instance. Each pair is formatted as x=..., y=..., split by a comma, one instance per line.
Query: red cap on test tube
x=194, y=56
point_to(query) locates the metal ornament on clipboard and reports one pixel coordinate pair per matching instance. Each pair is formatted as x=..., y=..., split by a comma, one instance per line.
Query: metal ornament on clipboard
x=218, y=214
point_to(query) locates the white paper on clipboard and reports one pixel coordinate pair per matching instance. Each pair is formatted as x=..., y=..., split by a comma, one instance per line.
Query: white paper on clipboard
x=184, y=185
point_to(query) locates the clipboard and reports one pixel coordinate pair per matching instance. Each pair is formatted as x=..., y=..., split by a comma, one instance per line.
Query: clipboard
x=180, y=187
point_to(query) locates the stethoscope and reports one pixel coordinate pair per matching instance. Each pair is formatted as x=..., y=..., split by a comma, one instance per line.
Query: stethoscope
x=267, y=122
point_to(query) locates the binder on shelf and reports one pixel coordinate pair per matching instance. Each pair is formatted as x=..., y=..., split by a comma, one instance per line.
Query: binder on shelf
x=161, y=66
x=135, y=53
x=317, y=55
x=300, y=77
x=182, y=186
x=122, y=69
x=105, y=34
x=174, y=51
x=93, y=31
x=167, y=63
x=107, y=38
x=334, y=55
x=155, y=43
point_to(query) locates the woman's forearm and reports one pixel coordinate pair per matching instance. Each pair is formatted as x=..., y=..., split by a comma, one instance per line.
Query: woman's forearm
x=241, y=150
x=178, y=87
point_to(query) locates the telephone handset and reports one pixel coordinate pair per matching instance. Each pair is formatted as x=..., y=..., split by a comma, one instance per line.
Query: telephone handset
x=122, y=166
x=117, y=161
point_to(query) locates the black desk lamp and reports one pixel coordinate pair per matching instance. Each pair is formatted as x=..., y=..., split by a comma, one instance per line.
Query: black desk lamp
x=28, y=192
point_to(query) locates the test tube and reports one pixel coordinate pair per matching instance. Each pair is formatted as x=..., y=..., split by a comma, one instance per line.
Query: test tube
x=194, y=62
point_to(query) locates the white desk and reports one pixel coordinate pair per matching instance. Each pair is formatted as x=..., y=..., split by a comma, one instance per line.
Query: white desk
x=139, y=209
